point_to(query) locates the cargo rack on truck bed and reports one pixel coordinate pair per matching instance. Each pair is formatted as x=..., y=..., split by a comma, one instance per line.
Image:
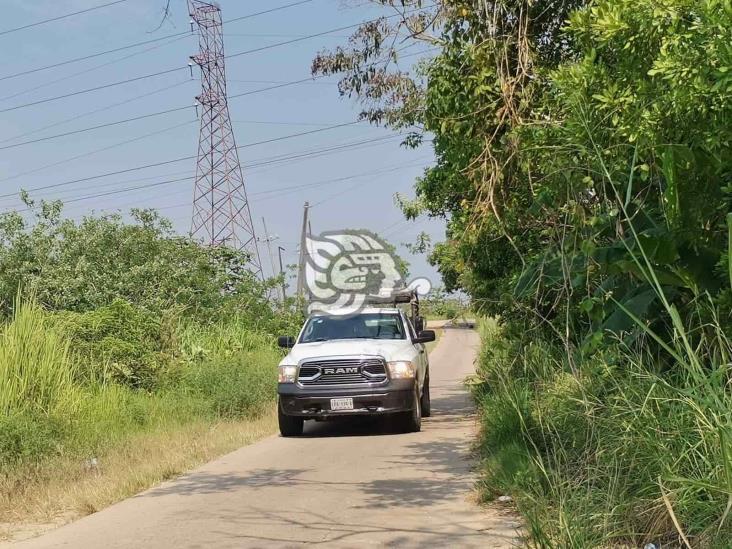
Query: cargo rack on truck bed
x=403, y=296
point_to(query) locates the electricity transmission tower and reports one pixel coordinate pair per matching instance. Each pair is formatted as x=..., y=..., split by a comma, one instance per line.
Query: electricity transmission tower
x=221, y=213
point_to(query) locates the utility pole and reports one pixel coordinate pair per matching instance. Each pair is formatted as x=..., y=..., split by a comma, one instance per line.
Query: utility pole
x=303, y=252
x=221, y=215
x=280, y=249
x=268, y=239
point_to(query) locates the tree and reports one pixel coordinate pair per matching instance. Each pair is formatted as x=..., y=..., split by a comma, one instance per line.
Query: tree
x=80, y=266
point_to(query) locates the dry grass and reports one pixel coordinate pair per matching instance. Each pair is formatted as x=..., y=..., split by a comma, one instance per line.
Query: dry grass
x=36, y=499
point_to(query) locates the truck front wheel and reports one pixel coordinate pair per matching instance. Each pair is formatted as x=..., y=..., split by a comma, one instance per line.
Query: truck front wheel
x=425, y=402
x=411, y=422
x=290, y=426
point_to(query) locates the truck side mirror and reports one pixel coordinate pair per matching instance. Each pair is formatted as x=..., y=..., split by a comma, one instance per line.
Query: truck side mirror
x=286, y=342
x=425, y=336
x=419, y=324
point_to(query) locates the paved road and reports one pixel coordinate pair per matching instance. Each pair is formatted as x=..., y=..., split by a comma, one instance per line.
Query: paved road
x=342, y=485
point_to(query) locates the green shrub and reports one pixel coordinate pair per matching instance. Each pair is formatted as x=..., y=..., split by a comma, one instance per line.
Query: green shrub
x=121, y=342
x=240, y=385
x=130, y=370
x=29, y=437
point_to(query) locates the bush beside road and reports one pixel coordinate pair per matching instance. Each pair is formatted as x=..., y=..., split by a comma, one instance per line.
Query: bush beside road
x=73, y=440
x=122, y=362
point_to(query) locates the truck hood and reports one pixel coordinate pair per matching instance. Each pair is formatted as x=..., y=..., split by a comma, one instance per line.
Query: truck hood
x=390, y=349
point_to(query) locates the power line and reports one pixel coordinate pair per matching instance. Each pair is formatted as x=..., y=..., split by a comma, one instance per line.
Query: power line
x=301, y=187
x=278, y=8
x=96, y=88
x=354, y=187
x=95, y=111
x=73, y=193
x=93, y=55
x=89, y=153
x=93, y=177
x=281, y=123
x=267, y=161
x=95, y=151
x=313, y=153
x=280, y=190
x=168, y=111
x=294, y=40
x=276, y=86
x=287, y=190
x=315, y=35
x=272, y=81
x=165, y=162
x=144, y=42
x=59, y=17
x=271, y=35
x=320, y=152
x=118, y=191
x=135, y=79
x=392, y=225
x=255, y=50
x=91, y=69
x=91, y=128
x=416, y=223
x=150, y=115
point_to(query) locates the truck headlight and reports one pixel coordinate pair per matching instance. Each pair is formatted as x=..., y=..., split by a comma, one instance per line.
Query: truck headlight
x=401, y=369
x=287, y=373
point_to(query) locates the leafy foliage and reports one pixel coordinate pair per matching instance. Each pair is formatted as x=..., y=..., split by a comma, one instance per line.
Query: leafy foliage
x=126, y=326
x=121, y=343
x=85, y=265
x=584, y=168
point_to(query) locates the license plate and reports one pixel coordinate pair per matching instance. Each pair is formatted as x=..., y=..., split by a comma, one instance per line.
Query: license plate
x=341, y=404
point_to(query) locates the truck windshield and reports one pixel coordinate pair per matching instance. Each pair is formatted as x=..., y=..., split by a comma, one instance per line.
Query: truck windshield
x=362, y=326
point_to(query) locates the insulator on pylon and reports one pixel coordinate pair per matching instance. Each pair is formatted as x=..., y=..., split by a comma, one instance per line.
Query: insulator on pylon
x=192, y=23
x=195, y=106
x=190, y=67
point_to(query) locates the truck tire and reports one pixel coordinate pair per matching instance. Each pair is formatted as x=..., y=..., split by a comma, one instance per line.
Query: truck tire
x=290, y=426
x=425, y=403
x=411, y=422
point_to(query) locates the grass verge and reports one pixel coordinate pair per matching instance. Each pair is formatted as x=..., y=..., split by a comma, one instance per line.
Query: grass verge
x=89, y=419
x=604, y=451
x=35, y=498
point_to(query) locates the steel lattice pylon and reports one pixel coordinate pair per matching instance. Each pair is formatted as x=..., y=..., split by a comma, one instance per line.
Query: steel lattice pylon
x=221, y=213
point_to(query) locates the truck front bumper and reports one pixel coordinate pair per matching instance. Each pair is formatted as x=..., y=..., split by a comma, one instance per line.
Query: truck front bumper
x=397, y=396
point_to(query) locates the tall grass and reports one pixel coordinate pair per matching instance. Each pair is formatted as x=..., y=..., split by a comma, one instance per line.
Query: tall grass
x=608, y=453
x=621, y=448
x=36, y=372
x=217, y=389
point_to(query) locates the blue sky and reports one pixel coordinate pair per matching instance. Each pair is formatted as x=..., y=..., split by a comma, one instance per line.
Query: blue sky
x=381, y=168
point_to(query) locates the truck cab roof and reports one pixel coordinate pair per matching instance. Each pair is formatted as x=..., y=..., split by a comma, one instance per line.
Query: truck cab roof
x=366, y=310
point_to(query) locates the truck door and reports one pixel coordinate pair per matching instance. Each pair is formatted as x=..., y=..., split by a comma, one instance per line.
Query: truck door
x=420, y=348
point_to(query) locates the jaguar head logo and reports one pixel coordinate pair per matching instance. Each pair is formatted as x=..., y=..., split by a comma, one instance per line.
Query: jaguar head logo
x=343, y=268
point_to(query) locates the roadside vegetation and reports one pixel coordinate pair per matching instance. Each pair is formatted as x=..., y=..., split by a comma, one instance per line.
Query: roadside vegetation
x=439, y=305
x=127, y=355
x=584, y=169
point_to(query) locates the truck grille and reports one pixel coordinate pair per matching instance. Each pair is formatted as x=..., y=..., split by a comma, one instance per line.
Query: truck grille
x=342, y=372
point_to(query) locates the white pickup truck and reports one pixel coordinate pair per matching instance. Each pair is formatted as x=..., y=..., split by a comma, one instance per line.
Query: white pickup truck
x=368, y=363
